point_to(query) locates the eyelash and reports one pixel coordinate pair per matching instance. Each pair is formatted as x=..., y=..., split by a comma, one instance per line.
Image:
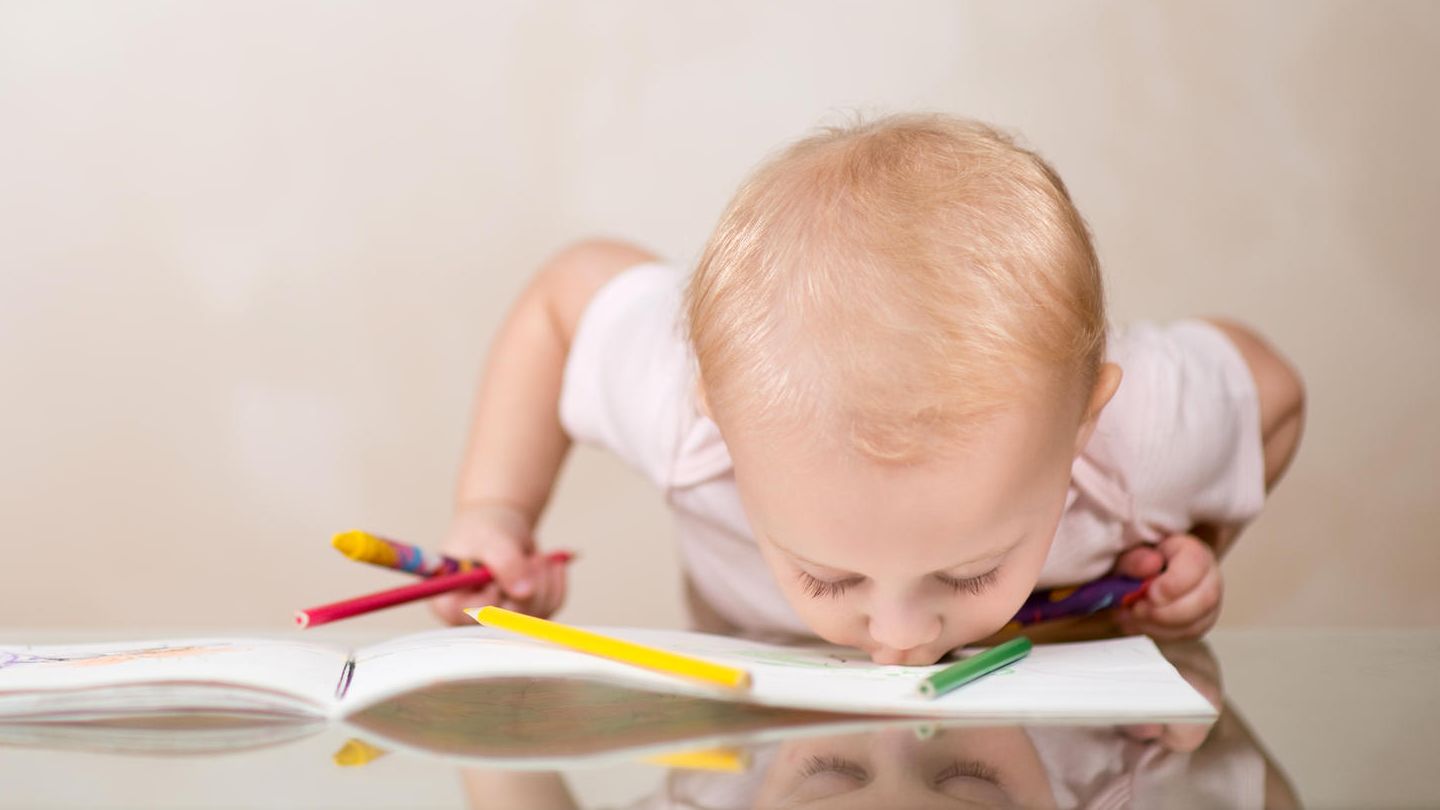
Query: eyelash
x=974, y=770
x=844, y=767
x=820, y=589
x=971, y=585
x=834, y=764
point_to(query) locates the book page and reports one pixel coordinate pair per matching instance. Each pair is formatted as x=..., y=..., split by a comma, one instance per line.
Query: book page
x=1116, y=679
x=78, y=682
x=1124, y=678
x=464, y=653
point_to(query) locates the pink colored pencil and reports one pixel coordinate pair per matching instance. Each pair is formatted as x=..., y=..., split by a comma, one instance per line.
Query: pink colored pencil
x=475, y=578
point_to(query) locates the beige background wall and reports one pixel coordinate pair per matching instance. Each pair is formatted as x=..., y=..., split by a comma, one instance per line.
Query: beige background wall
x=251, y=254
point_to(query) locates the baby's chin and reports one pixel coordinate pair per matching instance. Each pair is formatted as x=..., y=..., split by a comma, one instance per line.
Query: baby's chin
x=914, y=657
x=907, y=658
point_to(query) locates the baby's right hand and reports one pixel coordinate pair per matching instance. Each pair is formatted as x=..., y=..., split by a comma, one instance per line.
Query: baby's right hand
x=499, y=536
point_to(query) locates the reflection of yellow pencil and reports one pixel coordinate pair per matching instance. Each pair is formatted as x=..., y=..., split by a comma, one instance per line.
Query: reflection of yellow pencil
x=724, y=760
x=625, y=652
x=357, y=752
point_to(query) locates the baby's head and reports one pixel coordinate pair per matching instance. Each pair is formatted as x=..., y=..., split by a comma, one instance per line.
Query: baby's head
x=900, y=332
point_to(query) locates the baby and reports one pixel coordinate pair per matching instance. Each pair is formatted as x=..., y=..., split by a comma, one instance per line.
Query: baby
x=885, y=407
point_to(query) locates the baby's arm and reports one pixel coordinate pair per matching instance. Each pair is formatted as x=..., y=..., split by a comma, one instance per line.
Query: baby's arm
x=1184, y=601
x=516, y=443
x=1282, y=415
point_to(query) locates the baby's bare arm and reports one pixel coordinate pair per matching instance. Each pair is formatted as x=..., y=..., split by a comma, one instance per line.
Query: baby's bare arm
x=1282, y=414
x=1282, y=397
x=516, y=443
x=1185, y=601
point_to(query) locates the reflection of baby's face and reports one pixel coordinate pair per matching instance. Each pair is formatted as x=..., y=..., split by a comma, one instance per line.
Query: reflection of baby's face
x=987, y=767
x=908, y=562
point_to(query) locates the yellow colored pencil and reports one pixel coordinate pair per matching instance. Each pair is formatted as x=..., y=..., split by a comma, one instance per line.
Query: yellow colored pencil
x=626, y=652
x=723, y=760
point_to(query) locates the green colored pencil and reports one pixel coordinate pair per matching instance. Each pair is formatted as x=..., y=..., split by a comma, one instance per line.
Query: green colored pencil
x=978, y=665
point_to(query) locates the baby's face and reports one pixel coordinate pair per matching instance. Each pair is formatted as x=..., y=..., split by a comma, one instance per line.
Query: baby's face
x=909, y=562
x=896, y=767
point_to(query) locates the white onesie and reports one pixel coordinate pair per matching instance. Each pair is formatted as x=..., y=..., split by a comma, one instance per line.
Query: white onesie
x=1179, y=444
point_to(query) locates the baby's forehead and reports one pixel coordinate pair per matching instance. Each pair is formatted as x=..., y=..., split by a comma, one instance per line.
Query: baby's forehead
x=830, y=504
x=894, y=281
x=896, y=405
x=895, y=553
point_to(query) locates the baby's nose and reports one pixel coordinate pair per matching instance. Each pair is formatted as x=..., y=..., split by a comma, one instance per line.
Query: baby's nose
x=899, y=630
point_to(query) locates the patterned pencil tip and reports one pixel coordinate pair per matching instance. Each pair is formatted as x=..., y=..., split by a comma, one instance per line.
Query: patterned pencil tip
x=350, y=543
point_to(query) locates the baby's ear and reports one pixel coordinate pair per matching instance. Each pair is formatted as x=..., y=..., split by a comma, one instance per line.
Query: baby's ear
x=1107, y=382
x=701, y=402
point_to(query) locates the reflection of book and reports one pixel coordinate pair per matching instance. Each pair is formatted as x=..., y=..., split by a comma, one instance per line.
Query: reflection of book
x=549, y=724
x=160, y=735
x=520, y=690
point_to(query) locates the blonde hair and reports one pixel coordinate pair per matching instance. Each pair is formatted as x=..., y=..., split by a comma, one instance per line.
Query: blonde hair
x=892, y=283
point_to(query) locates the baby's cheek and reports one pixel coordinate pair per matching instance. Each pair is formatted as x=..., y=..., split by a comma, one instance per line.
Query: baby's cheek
x=981, y=616
x=834, y=621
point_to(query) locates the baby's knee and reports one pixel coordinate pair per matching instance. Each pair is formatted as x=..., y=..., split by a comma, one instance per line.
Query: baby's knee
x=1278, y=384
x=566, y=283
x=1281, y=392
x=599, y=255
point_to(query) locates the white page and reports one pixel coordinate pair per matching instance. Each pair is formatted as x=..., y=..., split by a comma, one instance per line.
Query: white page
x=1112, y=679
x=1124, y=678
x=413, y=662
x=51, y=680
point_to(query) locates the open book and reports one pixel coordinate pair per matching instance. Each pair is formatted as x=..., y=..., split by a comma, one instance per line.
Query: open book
x=414, y=684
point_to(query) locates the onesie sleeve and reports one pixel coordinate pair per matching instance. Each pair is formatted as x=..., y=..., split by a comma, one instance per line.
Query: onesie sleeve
x=629, y=377
x=1183, y=431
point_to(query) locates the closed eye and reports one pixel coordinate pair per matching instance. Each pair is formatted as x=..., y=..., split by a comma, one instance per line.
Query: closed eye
x=834, y=764
x=819, y=588
x=968, y=769
x=970, y=585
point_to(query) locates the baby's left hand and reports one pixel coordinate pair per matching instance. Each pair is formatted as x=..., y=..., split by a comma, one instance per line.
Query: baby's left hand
x=1184, y=600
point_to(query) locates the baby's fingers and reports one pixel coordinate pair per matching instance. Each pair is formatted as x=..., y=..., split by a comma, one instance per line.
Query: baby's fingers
x=1165, y=632
x=546, y=592
x=550, y=593
x=1141, y=562
x=450, y=607
x=554, y=576
x=1199, y=602
x=1187, y=561
x=540, y=594
x=509, y=562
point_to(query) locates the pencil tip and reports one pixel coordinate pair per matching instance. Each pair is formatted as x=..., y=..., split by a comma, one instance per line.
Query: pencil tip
x=348, y=542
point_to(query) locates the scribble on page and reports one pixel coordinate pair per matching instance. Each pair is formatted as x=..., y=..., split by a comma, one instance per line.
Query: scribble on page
x=10, y=658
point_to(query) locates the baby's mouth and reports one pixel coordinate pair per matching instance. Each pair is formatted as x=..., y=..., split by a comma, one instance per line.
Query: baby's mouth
x=916, y=657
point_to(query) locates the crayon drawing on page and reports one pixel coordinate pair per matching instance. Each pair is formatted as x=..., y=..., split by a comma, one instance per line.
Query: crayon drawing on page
x=10, y=658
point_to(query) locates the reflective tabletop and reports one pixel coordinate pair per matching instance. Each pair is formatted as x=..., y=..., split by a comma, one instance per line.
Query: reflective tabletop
x=1307, y=718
